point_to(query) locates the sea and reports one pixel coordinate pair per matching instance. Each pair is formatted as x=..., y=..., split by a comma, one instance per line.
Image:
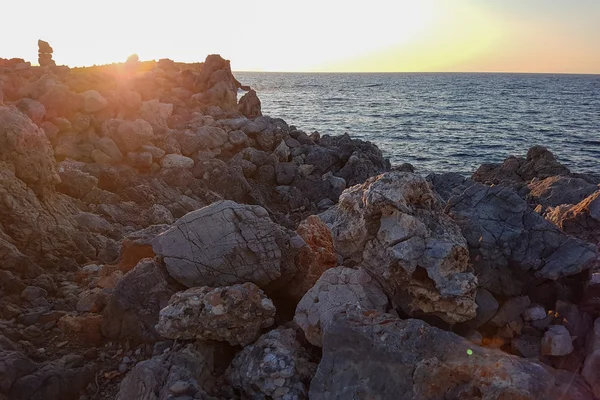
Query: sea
x=443, y=122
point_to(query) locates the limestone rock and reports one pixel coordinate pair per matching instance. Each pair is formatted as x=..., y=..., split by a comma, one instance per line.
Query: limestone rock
x=228, y=243
x=336, y=289
x=510, y=243
x=235, y=314
x=393, y=225
x=277, y=366
x=408, y=359
x=557, y=341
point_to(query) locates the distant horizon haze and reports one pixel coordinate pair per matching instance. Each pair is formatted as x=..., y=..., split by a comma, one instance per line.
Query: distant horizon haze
x=498, y=36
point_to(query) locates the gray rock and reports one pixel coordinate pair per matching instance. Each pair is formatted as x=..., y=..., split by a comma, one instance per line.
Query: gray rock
x=591, y=367
x=140, y=159
x=557, y=341
x=238, y=138
x=130, y=135
x=534, y=313
x=110, y=148
x=510, y=243
x=176, y=161
x=408, y=359
x=336, y=289
x=581, y=220
x=527, y=346
x=487, y=306
x=449, y=184
x=235, y=314
x=510, y=311
x=212, y=137
x=285, y=173
x=30, y=293
x=249, y=105
x=277, y=366
x=394, y=227
x=228, y=243
x=557, y=190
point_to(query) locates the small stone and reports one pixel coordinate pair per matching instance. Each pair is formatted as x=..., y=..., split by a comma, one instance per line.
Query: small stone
x=179, y=387
x=534, y=313
x=123, y=368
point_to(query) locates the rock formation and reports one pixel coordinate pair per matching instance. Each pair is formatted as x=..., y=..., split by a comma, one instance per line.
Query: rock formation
x=45, y=54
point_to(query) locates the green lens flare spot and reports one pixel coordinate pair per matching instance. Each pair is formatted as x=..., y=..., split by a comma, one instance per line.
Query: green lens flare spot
x=470, y=352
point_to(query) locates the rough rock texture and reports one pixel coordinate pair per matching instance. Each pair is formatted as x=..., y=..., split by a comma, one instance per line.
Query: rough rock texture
x=249, y=105
x=510, y=243
x=539, y=163
x=370, y=355
x=184, y=372
x=557, y=190
x=228, y=243
x=581, y=220
x=557, y=341
x=336, y=289
x=235, y=314
x=393, y=225
x=317, y=257
x=591, y=368
x=132, y=311
x=277, y=366
x=449, y=184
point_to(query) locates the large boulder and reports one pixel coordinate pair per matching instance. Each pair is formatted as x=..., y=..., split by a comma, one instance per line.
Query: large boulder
x=371, y=355
x=394, y=226
x=228, y=243
x=130, y=135
x=510, y=243
x=581, y=220
x=277, y=366
x=132, y=311
x=557, y=190
x=334, y=291
x=235, y=314
x=249, y=105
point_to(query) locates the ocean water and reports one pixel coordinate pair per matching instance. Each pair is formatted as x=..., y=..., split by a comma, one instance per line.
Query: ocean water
x=443, y=121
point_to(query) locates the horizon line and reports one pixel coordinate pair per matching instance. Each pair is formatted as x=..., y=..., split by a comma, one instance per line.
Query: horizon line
x=418, y=72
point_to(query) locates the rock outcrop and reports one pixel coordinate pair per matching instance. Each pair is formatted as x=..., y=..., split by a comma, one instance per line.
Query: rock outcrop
x=394, y=227
x=581, y=220
x=45, y=54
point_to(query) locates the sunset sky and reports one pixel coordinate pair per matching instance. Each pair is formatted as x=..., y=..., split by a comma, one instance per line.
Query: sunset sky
x=316, y=35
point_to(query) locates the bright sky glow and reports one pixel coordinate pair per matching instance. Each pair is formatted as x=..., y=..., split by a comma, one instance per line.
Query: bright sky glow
x=316, y=35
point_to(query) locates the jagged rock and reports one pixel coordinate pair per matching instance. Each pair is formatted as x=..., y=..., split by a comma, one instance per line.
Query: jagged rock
x=408, y=359
x=277, y=366
x=557, y=341
x=59, y=101
x=510, y=243
x=510, y=311
x=93, y=101
x=13, y=366
x=176, y=161
x=235, y=314
x=581, y=220
x=82, y=328
x=132, y=311
x=238, y=138
x=540, y=163
x=449, y=184
x=317, y=257
x=336, y=289
x=160, y=377
x=76, y=183
x=130, y=135
x=110, y=148
x=140, y=159
x=557, y=190
x=393, y=226
x=249, y=105
x=156, y=113
x=534, y=313
x=487, y=307
x=228, y=243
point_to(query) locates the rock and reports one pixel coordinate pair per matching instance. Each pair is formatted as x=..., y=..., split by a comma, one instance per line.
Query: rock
x=93, y=101
x=132, y=311
x=408, y=359
x=238, y=138
x=277, y=366
x=155, y=151
x=100, y=157
x=137, y=246
x=591, y=367
x=140, y=159
x=282, y=151
x=64, y=378
x=156, y=113
x=33, y=109
x=249, y=105
x=176, y=161
x=285, y=173
x=449, y=184
x=487, y=307
x=581, y=220
x=110, y=148
x=83, y=329
x=534, y=313
x=557, y=341
x=59, y=101
x=228, y=243
x=557, y=190
x=160, y=377
x=13, y=366
x=515, y=245
x=30, y=293
x=317, y=257
x=235, y=314
x=394, y=227
x=211, y=137
x=510, y=311
x=45, y=54
x=336, y=289
x=76, y=183
x=526, y=346
x=540, y=163
x=130, y=135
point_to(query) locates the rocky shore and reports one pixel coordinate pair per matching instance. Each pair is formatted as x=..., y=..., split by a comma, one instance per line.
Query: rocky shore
x=161, y=239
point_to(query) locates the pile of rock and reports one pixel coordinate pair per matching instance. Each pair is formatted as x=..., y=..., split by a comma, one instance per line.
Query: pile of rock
x=45, y=54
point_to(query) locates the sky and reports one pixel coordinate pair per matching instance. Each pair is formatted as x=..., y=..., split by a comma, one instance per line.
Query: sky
x=560, y=36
